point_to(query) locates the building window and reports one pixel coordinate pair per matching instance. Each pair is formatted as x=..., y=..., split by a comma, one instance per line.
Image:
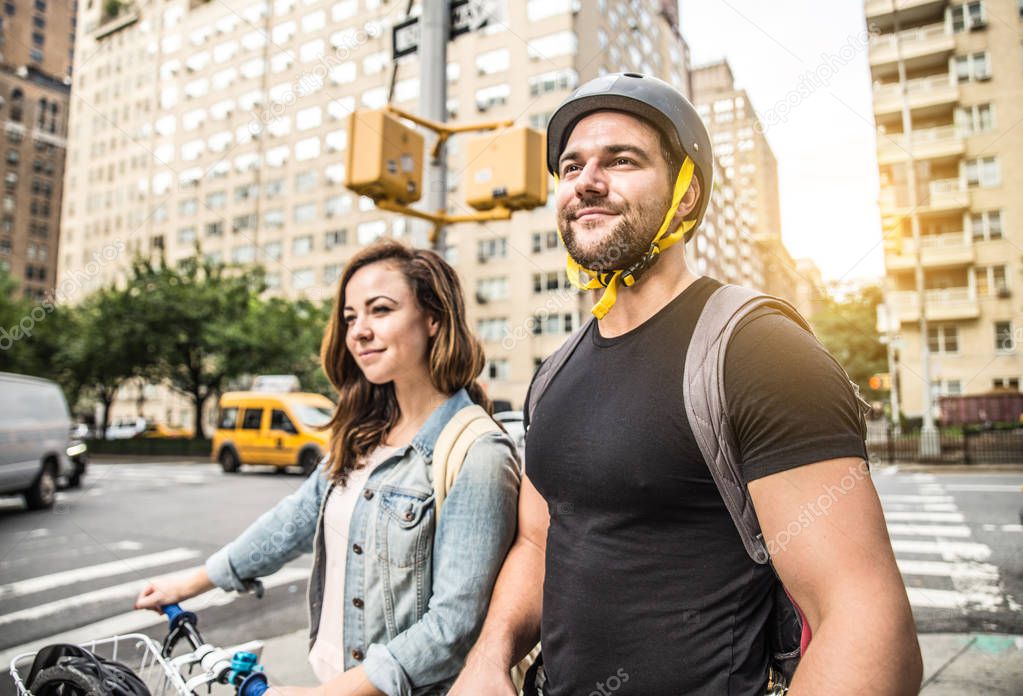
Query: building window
x=1004, y=340
x=216, y=200
x=272, y=250
x=274, y=218
x=243, y=222
x=968, y=16
x=187, y=207
x=302, y=279
x=215, y=229
x=554, y=81
x=553, y=324
x=305, y=212
x=979, y=118
x=986, y=226
x=991, y=281
x=335, y=238
x=497, y=369
x=545, y=241
x=492, y=329
x=983, y=172
x=1010, y=383
x=305, y=181
x=973, y=68
x=300, y=246
x=491, y=289
x=491, y=62
x=495, y=95
x=943, y=338
x=496, y=248
x=331, y=273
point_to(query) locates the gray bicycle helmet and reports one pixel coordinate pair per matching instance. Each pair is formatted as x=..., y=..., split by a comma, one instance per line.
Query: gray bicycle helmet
x=649, y=98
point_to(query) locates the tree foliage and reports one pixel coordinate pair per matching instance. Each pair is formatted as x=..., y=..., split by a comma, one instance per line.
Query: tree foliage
x=848, y=329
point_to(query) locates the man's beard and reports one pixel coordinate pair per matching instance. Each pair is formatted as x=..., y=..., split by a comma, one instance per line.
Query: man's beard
x=623, y=245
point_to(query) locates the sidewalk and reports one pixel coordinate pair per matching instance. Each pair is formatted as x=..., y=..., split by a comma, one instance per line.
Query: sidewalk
x=954, y=664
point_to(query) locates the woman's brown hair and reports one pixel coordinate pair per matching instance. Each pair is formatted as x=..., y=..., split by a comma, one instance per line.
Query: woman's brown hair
x=366, y=412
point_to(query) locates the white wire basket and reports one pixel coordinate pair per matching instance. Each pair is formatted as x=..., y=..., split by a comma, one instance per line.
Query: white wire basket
x=138, y=652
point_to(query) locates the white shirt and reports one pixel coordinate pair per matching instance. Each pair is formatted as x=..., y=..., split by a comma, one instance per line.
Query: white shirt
x=326, y=655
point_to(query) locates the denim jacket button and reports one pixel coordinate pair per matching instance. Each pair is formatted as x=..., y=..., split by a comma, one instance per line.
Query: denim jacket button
x=409, y=517
x=367, y=494
x=357, y=655
x=357, y=602
x=356, y=548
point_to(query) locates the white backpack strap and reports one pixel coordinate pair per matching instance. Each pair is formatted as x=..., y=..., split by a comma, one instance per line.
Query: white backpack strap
x=453, y=443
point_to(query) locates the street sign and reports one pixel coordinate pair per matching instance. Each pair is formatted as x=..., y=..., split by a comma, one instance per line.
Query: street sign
x=465, y=16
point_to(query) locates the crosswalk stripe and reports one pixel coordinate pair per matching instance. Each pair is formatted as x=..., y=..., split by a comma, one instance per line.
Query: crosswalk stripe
x=949, y=550
x=984, y=487
x=925, y=516
x=954, y=569
x=935, y=530
x=953, y=599
x=139, y=620
x=902, y=498
x=924, y=507
x=100, y=570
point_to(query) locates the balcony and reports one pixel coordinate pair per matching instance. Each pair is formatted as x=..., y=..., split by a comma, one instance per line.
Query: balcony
x=922, y=93
x=881, y=10
x=949, y=304
x=930, y=44
x=936, y=251
x=928, y=143
x=938, y=196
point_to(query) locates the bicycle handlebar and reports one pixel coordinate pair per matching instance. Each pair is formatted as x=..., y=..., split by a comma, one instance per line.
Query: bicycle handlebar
x=172, y=611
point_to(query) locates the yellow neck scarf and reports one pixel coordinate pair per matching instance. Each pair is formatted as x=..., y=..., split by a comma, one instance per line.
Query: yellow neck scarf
x=609, y=280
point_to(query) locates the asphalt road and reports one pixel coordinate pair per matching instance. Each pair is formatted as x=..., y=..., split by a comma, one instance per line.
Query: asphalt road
x=71, y=574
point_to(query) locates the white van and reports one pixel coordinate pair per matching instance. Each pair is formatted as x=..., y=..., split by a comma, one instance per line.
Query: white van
x=34, y=433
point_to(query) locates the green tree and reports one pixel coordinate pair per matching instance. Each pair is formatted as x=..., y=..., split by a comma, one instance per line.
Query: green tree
x=206, y=322
x=848, y=330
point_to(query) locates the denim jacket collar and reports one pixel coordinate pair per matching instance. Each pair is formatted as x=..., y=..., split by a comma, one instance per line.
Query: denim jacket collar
x=425, y=440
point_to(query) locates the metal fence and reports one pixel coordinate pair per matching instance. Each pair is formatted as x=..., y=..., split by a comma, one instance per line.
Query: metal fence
x=962, y=447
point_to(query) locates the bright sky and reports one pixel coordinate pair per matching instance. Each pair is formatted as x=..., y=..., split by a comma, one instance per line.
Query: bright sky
x=813, y=55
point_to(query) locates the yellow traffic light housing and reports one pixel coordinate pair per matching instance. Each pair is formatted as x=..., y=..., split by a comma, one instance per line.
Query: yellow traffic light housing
x=507, y=169
x=385, y=157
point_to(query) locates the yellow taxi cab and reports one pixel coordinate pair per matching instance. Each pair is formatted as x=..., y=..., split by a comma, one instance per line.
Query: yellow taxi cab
x=280, y=430
x=161, y=430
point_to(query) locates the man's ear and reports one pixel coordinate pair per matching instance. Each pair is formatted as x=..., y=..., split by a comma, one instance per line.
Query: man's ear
x=690, y=199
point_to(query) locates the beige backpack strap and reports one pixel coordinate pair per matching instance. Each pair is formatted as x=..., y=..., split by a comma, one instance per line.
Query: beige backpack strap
x=453, y=443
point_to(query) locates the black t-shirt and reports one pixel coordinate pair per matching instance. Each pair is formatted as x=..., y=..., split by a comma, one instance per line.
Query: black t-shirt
x=649, y=590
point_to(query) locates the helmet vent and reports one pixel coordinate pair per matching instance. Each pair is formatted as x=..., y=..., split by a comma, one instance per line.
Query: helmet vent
x=632, y=74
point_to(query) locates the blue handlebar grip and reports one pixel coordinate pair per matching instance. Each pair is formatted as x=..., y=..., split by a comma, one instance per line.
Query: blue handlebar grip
x=254, y=685
x=172, y=611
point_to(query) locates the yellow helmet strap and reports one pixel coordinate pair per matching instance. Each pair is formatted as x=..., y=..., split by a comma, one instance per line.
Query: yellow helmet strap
x=661, y=241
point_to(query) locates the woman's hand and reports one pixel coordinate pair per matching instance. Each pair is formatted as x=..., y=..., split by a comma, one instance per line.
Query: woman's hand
x=172, y=589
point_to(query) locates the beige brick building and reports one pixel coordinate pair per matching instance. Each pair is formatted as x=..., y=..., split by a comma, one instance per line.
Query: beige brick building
x=36, y=40
x=748, y=161
x=222, y=124
x=963, y=74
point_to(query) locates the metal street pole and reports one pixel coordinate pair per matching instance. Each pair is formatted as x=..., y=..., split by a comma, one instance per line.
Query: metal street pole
x=929, y=443
x=433, y=61
x=891, y=337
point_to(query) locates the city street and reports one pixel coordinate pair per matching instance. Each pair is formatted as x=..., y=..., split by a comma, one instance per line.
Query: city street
x=73, y=573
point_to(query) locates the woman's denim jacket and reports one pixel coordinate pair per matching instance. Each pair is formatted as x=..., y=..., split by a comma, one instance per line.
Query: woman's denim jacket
x=416, y=592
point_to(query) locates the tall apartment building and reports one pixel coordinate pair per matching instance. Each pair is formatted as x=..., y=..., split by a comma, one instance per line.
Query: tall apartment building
x=747, y=158
x=222, y=124
x=957, y=70
x=36, y=44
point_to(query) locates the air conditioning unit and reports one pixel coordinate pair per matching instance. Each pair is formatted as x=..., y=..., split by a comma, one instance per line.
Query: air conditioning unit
x=481, y=298
x=1004, y=293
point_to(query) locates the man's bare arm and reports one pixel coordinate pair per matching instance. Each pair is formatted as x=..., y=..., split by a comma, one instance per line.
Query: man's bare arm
x=512, y=626
x=826, y=533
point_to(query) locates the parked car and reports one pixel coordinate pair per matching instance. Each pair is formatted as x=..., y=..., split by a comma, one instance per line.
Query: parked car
x=514, y=423
x=167, y=432
x=278, y=430
x=35, y=431
x=78, y=453
x=125, y=428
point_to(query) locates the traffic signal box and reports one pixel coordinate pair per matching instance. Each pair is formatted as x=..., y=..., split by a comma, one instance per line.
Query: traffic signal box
x=385, y=157
x=506, y=169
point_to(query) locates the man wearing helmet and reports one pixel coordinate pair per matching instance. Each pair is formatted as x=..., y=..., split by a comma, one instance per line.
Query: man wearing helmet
x=627, y=561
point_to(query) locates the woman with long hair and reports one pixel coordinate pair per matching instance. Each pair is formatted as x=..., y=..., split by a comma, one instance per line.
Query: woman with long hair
x=397, y=593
